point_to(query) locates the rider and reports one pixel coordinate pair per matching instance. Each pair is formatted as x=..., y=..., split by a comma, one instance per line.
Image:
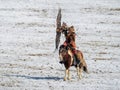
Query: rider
x=69, y=33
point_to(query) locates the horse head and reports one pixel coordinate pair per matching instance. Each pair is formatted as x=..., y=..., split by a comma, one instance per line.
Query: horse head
x=62, y=52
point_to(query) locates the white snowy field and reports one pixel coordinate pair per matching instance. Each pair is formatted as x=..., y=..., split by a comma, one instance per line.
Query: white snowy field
x=27, y=43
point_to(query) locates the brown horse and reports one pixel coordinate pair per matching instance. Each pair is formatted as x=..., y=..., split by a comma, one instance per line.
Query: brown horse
x=67, y=60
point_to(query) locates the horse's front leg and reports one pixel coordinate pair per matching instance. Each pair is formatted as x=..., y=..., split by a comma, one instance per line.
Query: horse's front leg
x=67, y=75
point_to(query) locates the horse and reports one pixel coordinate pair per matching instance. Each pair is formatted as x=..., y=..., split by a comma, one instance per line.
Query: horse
x=67, y=60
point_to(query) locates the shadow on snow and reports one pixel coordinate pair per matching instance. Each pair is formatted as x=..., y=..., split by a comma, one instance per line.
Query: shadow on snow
x=35, y=78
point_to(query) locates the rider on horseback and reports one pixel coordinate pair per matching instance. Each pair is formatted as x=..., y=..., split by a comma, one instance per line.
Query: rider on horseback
x=69, y=33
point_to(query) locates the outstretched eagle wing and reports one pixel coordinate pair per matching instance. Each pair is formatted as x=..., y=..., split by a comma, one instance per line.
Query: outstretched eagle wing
x=58, y=32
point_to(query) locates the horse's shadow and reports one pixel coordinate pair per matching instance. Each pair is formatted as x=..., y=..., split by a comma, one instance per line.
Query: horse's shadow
x=35, y=78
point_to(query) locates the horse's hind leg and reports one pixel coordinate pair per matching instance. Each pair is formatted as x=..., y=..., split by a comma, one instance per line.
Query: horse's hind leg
x=80, y=71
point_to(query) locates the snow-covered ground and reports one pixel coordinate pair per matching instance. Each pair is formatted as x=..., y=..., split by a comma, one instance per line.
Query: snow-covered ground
x=27, y=43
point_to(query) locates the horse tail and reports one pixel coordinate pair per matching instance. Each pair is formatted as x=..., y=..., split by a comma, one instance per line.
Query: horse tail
x=85, y=69
x=82, y=61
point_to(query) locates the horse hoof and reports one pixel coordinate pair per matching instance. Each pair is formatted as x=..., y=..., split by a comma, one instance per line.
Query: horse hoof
x=61, y=62
x=80, y=77
x=65, y=79
x=68, y=78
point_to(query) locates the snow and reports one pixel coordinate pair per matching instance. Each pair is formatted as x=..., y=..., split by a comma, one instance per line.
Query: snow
x=27, y=42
